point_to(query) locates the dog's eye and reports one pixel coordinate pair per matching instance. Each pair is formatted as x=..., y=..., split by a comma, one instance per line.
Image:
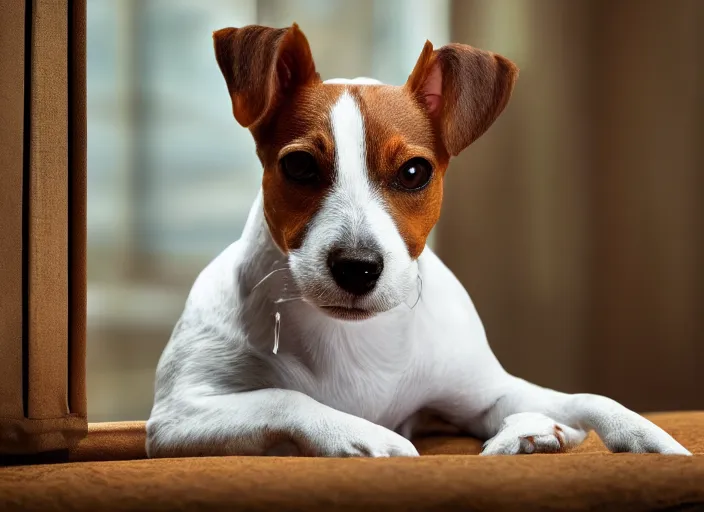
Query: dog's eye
x=414, y=174
x=300, y=167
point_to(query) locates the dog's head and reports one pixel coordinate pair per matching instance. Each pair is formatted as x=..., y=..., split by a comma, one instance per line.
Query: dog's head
x=353, y=169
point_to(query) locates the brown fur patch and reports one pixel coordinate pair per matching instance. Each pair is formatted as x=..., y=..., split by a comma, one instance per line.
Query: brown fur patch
x=397, y=128
x=303, y=123
x=464, y=88
x=277, y=93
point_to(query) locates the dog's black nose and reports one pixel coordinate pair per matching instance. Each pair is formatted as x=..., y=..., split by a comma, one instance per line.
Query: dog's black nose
x=356, y=270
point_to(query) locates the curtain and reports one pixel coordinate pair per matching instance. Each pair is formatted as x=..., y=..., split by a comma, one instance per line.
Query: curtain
x=577, y=222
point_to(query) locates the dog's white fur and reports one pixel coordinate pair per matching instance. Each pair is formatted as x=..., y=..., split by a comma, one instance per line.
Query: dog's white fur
x=341, y=388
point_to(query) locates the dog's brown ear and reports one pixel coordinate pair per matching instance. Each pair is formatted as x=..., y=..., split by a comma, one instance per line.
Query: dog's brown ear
x=261, y=66
x=463, y=88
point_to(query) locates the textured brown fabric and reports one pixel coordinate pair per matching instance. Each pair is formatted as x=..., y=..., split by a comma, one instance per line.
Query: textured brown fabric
x=11, y=144
x=48, y=228
x=42, y=221
x=28, y=436
x=77, y=153
x=125, y=440
x=567, y=482
x=592, y=479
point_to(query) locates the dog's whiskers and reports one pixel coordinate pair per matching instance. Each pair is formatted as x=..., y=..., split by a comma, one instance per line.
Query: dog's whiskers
x=420, y=292
x=268, y=276
x=304, y=299
x=283, y=300
x=277, y=331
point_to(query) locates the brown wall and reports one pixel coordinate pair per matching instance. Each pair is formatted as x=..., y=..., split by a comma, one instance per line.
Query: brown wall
x=577, y=222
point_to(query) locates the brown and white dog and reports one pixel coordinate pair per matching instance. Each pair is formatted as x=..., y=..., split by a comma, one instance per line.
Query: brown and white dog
x=330, y=327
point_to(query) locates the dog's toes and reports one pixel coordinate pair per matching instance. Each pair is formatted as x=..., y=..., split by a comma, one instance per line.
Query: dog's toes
x=531, y=433
x=501, y=445
x=526, y=444
x=551, y=443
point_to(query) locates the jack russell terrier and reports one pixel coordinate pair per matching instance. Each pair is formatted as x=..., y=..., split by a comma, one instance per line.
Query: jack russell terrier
x=329, y=328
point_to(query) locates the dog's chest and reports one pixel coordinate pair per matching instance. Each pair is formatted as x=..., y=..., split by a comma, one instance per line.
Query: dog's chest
x=369, y=373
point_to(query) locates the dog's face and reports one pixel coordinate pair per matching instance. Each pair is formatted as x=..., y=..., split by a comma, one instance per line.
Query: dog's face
x=353, y=169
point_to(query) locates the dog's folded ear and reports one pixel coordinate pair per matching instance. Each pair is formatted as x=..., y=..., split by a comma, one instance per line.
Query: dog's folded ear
x=463, y=88
x=262, y=66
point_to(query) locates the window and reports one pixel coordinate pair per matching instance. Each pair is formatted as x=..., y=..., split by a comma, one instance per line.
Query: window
x=171, y=176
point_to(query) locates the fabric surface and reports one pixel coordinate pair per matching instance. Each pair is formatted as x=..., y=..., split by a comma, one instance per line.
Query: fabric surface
x=548, y=482
x=42, y=226
x=448, y=476
x=112, y=441
x=47, y=244
x=125, y=440
x=78, y=191
x=11, y=157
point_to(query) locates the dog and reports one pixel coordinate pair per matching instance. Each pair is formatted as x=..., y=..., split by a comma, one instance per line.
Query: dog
x=330, y=328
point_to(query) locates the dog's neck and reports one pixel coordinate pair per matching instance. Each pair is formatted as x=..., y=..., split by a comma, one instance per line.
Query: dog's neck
x=266, y=287
x=262, y=255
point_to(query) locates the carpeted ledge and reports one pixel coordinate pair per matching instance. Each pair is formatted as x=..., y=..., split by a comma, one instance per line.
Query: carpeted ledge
x=447, y=477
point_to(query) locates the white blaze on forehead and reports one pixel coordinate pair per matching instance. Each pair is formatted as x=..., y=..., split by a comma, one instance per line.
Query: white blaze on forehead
x=348, y=134
x=354, y=81
x=354, y=203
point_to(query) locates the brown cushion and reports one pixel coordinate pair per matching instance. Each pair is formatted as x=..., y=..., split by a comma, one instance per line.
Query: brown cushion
x=447, y=476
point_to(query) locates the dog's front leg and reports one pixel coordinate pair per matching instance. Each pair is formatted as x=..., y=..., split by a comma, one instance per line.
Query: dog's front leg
x=519, y=417
x=265, y=422
x=525, y=418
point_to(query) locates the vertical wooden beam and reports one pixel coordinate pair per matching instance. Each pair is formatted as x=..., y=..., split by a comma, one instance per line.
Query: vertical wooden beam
x=48, y=213
x=77, y=146
x=12, y=57
x=42, y=218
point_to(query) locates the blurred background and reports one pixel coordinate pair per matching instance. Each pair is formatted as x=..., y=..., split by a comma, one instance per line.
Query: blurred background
x=576, y=223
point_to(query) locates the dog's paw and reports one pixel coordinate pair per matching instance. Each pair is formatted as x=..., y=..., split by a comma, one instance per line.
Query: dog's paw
x=635, y=434
x=356, y=437
x=532, y=433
